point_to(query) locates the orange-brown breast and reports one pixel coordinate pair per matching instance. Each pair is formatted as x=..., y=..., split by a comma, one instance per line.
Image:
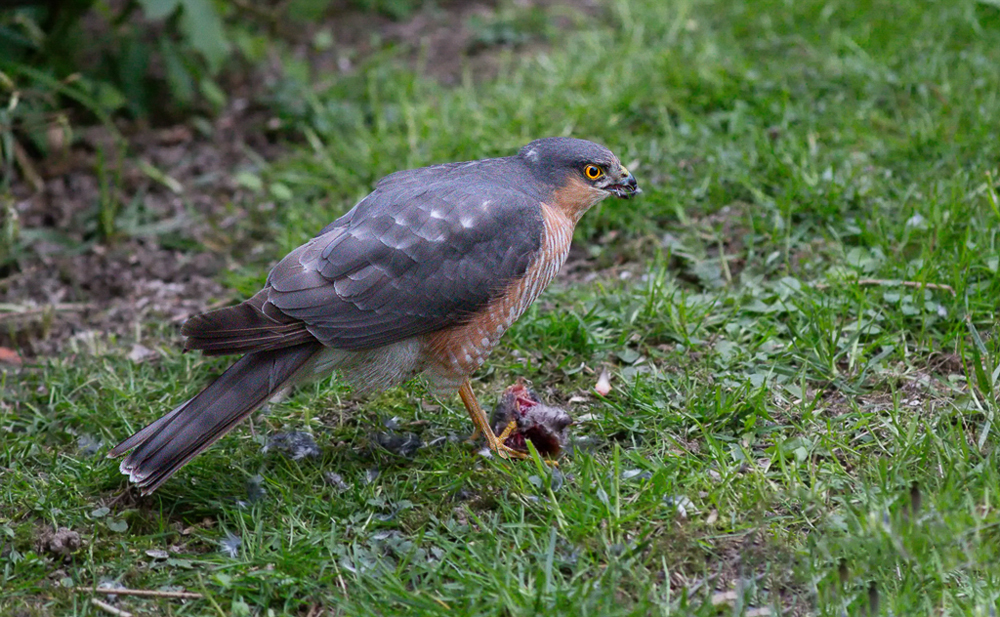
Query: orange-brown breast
x=458, y=352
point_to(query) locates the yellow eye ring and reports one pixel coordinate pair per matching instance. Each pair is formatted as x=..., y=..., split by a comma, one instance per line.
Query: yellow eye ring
x=593, y=172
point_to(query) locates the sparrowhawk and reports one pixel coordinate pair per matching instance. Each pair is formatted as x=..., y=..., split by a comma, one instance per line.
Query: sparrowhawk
x=422, y=277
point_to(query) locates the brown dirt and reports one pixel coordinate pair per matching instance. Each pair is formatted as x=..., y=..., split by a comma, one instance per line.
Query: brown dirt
x=73, y=282
x=444, y=41
x=70, y=282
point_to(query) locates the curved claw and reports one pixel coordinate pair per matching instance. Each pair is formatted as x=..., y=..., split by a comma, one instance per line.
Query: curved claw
x=507, y=430
x=506, y=452
x=479, y=419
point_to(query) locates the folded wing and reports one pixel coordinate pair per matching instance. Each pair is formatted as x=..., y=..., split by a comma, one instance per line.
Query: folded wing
x=426, y=250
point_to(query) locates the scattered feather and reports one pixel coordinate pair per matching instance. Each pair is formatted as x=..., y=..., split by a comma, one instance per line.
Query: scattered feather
x=296, y=445
x=403, y=445
x=255, y=489
x=231, y=545
x=603, y=386
x=557, y=479
x=107, y=583
x=140, y=353
x=336, y=481
x=681, y=502
x=88, y=445
x=385, y=517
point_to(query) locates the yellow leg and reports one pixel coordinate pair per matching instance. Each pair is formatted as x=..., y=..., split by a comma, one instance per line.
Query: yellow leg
x=483, y=425
x=502, y=437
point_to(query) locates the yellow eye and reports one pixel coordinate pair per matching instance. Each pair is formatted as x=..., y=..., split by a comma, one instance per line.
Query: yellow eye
x=593, y=172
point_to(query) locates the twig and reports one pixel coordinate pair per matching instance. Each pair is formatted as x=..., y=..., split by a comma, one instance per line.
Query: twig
x=7, y=307
x=107, y=608
x=13, y=311
x=892, y=283
x=146, y=593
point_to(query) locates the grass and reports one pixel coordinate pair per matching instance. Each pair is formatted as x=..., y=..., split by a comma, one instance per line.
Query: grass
x=788, y=421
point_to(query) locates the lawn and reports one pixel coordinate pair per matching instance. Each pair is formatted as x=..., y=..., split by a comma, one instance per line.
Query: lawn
x=799, y=317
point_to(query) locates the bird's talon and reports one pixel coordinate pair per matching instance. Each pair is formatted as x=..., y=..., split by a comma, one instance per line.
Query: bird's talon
x=502, y=437
x=502, y=446
x=502, y=450
x=507, y=453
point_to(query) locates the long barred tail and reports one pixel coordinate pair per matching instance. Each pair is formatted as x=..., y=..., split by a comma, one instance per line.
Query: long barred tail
x=164, y=446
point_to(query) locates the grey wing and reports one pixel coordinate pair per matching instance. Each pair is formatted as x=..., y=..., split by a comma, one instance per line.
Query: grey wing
x=412, y=258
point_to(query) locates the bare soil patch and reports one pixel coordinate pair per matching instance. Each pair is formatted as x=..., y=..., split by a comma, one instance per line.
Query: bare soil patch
x=72, y=280
x=445, y=40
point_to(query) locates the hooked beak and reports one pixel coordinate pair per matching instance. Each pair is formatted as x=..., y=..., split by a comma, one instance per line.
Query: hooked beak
x=626, y=187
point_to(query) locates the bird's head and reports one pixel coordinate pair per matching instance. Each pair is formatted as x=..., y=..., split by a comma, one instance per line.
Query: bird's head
x=581, y=166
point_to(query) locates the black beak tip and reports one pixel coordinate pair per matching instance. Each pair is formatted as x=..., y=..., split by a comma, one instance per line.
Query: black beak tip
x=628, y=188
